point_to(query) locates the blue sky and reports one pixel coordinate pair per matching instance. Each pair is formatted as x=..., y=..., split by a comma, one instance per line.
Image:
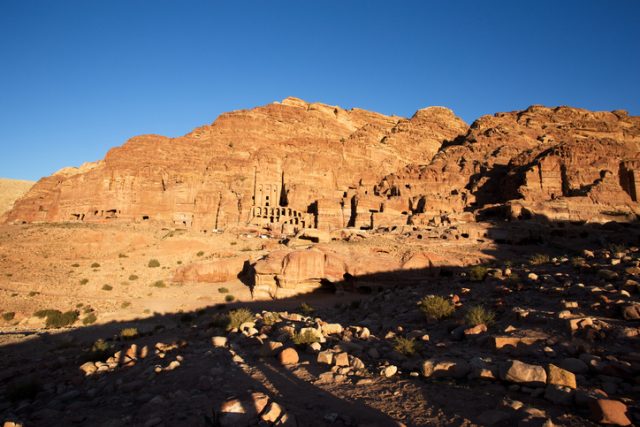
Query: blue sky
x=78, y=77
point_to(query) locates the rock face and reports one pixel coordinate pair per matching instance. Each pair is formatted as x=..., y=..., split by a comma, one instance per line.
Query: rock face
x=293, y=165
x=290, y=164
x=560, y=163
x=10, y=191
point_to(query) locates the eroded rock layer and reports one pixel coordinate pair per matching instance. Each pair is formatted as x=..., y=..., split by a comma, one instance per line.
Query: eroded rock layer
x=559, y=163
x=293, y=165
x=290, y=164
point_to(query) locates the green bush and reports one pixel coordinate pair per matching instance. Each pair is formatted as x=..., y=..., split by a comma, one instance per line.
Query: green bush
x=478, y=273
x=200, y=253
x=107, y=287
x=84, y=281
x=539, y=259
x=153, y=263
x=223, y=290
x=122, y=256
x=159, y=284
x=95, y=265
x=406, y=346
x=305, y=338
x=89, y=319
x=436, y=307
x=75, y=265
x=269, y=318
x=478, y=315
x=129, y=333
x=306, y=309
x=229, y=298
x=8, y=316
x=56, y=318
x=133, y=277
x=100, y=351
x=238, y=317
x=33, y=293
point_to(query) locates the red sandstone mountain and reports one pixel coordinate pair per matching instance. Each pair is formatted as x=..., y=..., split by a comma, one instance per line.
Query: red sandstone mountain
x=294, y=164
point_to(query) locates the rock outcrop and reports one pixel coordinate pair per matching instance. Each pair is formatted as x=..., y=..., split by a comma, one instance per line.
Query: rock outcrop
x=293, y=165
x=560, y=163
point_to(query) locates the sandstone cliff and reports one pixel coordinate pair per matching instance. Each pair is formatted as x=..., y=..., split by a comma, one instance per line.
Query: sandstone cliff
x=10, y=191
x=291, y=164
x=559, y=163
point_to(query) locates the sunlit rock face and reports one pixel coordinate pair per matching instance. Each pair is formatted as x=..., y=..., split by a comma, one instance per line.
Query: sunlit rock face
x=292, y=165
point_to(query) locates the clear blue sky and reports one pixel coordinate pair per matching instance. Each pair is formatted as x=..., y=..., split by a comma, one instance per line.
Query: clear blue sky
x=78, y=77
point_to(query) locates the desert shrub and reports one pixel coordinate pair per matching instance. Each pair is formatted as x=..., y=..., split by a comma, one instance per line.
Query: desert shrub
x=246, y=250
x=33, y=293
x=239, y=316
x=269, y=318
x=133, y=277
x=107, y=287
x=233, y=243
x=56, y=318
x=306, y=309
x=229, y=298
x=478, y=315
x=200, y=253
x=8, y=316
x=23, y=390
x=84, y=281
x=539, y=259
x=122, y=256
x=159, y=284
x=223, y=290
x=220, y=320
x=75, y=265
x=79, y=305
x=436, y=307
x=125, y=304
x=406, y=346
x=478, y=273
x=95, y=265
x=100, y=351
x=129, y=333
x=178, y=262
x=304, y=338
x=153, y=263
x=89, y=319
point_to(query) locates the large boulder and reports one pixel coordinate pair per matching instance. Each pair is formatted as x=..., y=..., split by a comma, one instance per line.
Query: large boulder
x=214, y=271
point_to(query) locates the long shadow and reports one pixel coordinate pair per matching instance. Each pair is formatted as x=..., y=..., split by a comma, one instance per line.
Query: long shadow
x=43, y=385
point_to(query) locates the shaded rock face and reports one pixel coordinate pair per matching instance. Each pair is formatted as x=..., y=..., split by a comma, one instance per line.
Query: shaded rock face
x=290, y=164
x=294, y=165
x=561, y=163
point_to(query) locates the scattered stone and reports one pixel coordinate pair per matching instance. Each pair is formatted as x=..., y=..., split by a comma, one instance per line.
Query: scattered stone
x=325, y=357
x=607, y=411
x=270, y=348
x=390, y=371
x=88, y=368
x=520, y=372
x=561, y=377
x=341, y=359
x=631, y=312
x=559, y=395
x=288, y=356
x=219, y=341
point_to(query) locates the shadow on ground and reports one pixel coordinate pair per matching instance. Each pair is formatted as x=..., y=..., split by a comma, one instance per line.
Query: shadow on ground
x=43, y=385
